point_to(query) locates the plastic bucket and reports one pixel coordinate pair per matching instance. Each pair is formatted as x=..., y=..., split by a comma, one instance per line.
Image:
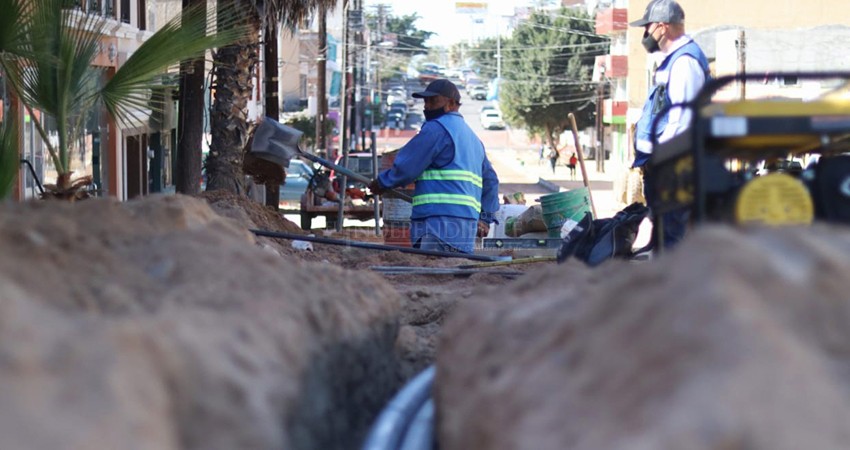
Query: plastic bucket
x=562, y=206
x=397, y=233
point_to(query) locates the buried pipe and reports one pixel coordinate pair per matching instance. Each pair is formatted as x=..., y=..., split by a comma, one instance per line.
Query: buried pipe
x=420, y=432
x=416, y=251
x=406, y=423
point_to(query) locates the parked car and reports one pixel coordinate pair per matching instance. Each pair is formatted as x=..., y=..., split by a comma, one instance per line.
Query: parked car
x=478, y=92
x=458, y=82
x=298, y=176
x=396, y=95
x=491, y=119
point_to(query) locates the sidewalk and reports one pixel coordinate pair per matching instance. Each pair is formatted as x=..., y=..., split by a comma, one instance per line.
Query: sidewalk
x=601, y=183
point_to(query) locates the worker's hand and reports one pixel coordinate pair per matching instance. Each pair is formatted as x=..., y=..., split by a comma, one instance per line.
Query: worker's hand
x=375, y=187
x=483, y=229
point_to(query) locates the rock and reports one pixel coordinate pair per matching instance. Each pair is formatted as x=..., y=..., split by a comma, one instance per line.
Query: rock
x=158, y=324
x=737, y=340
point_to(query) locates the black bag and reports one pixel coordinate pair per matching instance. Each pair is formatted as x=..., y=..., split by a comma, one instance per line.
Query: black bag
x=596, y=241
x=831, y=189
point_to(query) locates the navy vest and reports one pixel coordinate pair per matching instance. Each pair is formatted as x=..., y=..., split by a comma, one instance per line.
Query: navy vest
x=454, y=189
x=659, y=100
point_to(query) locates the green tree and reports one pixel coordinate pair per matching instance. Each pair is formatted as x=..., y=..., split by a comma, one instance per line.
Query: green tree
x=484, y=54
x=410, y=39
x=307, y=125
x=233, y=69
x=546, y=69
x=47, y=48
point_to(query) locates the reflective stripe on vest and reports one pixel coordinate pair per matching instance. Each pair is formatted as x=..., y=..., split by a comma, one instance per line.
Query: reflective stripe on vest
x=451, y=199
x=454, y=189
x=454, y=175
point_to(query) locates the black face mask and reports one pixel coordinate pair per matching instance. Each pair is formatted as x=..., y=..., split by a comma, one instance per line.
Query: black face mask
x=649, y=42
x=431, y=114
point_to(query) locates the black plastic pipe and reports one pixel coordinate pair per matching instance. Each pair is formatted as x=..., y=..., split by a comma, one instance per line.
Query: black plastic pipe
x=371, y=246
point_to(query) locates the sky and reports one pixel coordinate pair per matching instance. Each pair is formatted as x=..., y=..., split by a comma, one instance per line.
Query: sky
x=442, y=18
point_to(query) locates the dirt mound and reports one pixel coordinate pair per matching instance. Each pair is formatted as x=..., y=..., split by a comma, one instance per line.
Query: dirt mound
x=160, y=324
x=736, y=340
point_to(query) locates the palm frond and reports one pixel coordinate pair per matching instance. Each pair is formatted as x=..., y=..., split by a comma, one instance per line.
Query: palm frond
x=57, y=77
x=9, y=163
x=13, y=27
x=182, y=38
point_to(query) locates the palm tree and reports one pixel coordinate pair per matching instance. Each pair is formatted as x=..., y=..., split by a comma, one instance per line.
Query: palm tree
x=233, y=68
x=47, y=48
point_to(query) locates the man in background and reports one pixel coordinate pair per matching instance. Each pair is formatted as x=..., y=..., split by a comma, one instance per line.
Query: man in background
x=681, y=74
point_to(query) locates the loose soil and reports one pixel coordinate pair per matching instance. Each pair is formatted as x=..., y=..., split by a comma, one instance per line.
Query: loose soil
x=427, y=299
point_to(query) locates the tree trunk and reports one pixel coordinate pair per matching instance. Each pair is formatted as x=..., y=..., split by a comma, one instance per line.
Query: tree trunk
x=190, y=122
x=233, y=67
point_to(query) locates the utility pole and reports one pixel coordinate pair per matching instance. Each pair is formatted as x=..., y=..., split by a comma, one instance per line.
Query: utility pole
x=498, y=48
x=272, y=74
x=190, y=121
x=742, y=61
x=345, y=102
x=321, y=90
x=380, y=39
x=272, y=105
x=600, y=126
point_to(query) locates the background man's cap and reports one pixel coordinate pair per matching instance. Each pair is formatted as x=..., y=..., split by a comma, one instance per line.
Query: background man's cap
x=661, y=11
x=440, y=87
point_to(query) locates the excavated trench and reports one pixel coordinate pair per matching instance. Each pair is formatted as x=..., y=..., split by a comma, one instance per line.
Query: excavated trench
x=164, y=323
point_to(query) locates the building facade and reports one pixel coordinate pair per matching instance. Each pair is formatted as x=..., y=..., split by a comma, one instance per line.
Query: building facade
x=125, y=160
x=784, y=35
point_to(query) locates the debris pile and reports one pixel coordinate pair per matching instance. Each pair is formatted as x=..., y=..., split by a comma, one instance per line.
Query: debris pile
x=738, y=339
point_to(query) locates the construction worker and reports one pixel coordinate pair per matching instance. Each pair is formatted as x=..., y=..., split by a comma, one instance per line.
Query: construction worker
x=457, y=190
x=681, y=74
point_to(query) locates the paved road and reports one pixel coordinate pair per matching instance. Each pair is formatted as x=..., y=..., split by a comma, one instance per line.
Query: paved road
x=518, y=164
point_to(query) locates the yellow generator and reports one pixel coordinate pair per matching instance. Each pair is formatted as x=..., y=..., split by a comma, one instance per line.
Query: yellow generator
x=767, y=161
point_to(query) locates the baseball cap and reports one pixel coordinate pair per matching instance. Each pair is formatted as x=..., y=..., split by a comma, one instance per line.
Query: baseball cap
x=439, y=87
x=661, y=11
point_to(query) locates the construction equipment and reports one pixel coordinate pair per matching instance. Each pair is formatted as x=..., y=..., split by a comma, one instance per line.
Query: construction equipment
x=277, y=141
x=733, y=164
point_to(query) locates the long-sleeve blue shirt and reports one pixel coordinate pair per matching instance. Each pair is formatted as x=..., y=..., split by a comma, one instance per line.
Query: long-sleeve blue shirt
x=433, y=146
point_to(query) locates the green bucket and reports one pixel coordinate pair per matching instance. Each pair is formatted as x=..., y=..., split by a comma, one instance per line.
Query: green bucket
x=562, y=206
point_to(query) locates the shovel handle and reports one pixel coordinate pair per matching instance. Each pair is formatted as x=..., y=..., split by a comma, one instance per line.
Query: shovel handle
x=345, y=171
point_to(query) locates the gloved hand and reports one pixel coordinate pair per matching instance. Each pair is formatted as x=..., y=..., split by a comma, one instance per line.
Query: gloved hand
x=483, y=229
x=375, y=187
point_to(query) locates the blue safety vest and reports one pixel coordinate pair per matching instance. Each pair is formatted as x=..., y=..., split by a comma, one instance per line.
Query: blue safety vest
x=454, y=189
x=659, y=100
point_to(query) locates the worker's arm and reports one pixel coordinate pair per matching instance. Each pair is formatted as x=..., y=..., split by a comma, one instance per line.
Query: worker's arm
x=416, y=156
x=686, y=80
x=489, y=193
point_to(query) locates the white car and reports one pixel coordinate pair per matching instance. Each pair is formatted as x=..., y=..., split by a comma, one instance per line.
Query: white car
x=478, y=92
x=491, y=119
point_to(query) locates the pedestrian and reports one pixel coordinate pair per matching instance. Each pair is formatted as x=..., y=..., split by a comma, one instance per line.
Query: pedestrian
x=553, y=158
x=572, y=165
x=457, y=191
x=542, y=154
x=679, y=77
